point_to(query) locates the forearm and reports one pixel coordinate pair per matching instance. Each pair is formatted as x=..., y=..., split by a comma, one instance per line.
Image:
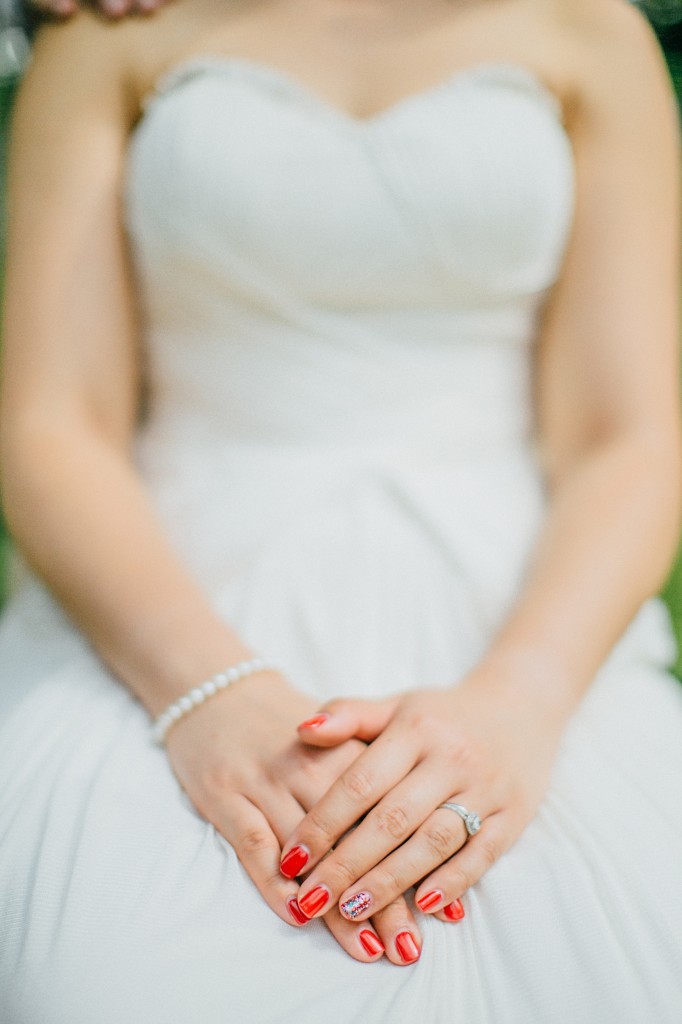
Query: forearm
x=607, y=545
x=84, y=522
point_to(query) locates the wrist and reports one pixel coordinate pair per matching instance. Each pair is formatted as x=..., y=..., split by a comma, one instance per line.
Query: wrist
x=179, y=654
x=529, y=674
x=205, y=691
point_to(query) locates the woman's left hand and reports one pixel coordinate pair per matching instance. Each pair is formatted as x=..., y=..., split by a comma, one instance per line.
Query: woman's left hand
x=486, y=746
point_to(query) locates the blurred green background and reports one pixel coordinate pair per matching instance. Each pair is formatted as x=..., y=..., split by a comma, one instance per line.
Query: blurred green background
x=666, y=17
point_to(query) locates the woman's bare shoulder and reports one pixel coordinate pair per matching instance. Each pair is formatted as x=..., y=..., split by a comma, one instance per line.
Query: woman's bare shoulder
x=610, y=52
x=610, y=40
x=92, y=54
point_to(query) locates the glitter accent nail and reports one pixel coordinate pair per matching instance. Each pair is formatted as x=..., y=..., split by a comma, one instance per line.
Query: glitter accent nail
x=356, y=905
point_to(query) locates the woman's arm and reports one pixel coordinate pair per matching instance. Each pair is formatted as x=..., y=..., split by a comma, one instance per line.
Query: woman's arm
x=609, y=409
x=74, y=501
x=608, y=368
x=70, y=376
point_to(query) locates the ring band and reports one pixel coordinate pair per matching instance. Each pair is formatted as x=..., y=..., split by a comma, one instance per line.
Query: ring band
x=470, y=818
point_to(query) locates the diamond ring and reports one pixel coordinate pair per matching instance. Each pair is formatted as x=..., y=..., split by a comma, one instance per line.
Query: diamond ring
x=470, y=818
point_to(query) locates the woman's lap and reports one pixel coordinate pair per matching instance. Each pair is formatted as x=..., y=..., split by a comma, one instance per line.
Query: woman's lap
x=121, y=902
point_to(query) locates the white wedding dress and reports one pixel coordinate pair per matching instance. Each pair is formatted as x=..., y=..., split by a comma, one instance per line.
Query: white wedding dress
x=340, y=316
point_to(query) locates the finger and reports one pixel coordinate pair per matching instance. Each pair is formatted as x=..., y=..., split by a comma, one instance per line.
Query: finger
x=341, y=720
x=115, y=8
x=148, y=6
x=451, y=881
x=258, y=849
x=391, y=823
x=399, y=932
x=361, y=941
x=439, y=837
x=372, y=774
x=281, y=810
x=58, y=8
x=316, y=769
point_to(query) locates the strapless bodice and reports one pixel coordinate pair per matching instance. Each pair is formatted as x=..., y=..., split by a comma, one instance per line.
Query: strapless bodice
x=313, y=278
x=340, y=316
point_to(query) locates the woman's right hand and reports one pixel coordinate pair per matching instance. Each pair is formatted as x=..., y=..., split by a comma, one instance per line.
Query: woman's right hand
x=241, y=762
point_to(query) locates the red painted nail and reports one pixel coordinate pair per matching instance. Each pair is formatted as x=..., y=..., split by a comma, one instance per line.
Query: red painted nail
x=372, y=944
x=408, y=950
x=296, y=912
x=314, y=723
x=314, y=900
x=454, y=911
x=295, y=860
x=430, y=899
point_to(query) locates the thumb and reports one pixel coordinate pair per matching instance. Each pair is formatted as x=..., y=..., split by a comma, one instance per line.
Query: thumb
x=341, y=720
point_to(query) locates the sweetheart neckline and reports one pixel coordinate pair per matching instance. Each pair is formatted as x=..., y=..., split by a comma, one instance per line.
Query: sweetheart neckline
x=284, y=81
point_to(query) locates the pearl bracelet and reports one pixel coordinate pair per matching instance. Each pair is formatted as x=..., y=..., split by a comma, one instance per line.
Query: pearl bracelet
x=202, y=692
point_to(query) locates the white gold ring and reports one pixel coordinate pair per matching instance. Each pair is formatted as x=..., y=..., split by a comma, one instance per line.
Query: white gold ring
x=470, y=818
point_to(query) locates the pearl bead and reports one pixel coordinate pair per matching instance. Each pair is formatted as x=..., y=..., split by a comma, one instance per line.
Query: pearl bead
x=201, y=693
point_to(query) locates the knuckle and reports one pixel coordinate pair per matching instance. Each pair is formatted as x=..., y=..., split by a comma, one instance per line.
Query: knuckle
x=346, y=873
x=333, y=707
x=321, y=825
x=395, y=908
x=440, y=840
x=302, y=764
x=420, y=720
x=458, y=879
x=274, y=883
x=212, y=789
x=462, y=754
x=252, y=841
x=489, y=850
x=391, y=883
x=393, y=820
x=357, y=784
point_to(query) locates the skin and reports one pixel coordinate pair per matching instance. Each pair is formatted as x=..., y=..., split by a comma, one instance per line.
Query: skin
x=607, y=409
x=112, y=8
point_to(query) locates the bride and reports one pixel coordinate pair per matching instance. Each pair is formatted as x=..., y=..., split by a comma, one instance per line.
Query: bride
x=341, y=434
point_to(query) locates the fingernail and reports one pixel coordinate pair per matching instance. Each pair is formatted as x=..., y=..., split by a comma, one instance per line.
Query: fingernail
x=314, y=900
x=355, y=905
x=430, y=899
x=296, y=912
x=408, y=950
x=454, y=911
x=294, y=862
x=371, y=943
x=314, y=723
x=114, y=6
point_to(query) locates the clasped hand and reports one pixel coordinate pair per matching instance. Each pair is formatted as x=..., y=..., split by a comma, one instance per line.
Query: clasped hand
x=343, y=820
x=477, y=745
x=241, y=763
